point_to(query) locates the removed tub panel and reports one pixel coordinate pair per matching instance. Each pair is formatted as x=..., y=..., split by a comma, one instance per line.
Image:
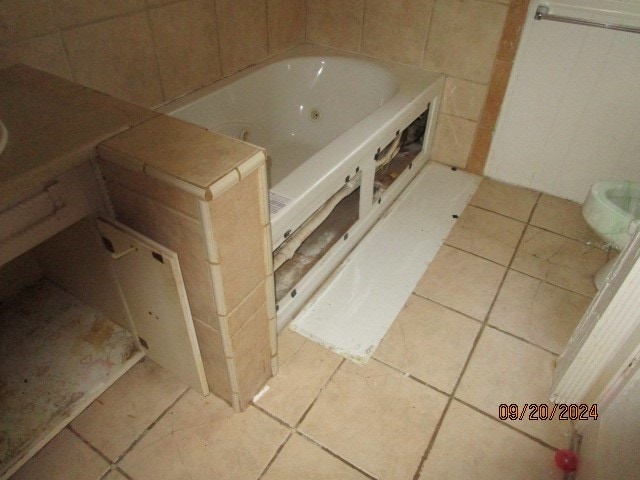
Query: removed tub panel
x=151, y=282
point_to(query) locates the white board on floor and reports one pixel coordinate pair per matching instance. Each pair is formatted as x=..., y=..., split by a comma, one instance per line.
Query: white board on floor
x=353, y=311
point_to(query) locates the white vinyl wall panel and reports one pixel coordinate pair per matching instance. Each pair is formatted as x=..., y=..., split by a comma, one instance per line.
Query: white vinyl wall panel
x=571, y=115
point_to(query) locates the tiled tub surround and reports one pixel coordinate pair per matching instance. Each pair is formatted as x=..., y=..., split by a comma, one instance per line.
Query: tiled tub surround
x=196, y=192
x=324, y=117
x=204, y=196
x=184, y=44
x=426, y=405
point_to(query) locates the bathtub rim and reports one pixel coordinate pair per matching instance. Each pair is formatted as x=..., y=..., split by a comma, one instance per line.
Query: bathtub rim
x=308, y=186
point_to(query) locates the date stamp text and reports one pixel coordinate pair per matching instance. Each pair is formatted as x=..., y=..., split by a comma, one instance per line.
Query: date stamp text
x=542, y=411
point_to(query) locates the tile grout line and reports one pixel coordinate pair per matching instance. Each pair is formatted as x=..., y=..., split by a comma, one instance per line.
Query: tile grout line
x=471, y=351
x=528, y=223
x=465, y=315
x=506, y=424
x=93, y=448
x=336, y=456
x=513, y=335
x=294, y=429
x=508, y=267
x=275, y=455
x=468, y=317
x=306, y=412
x=151, y=425
x=412, y=377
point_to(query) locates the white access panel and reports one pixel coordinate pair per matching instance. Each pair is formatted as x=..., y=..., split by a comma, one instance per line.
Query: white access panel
x=356, y=307
x=151, y=282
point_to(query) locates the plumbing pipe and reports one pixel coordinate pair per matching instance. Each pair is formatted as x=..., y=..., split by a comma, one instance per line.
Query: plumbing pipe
x=392, y=151
x=291, y=245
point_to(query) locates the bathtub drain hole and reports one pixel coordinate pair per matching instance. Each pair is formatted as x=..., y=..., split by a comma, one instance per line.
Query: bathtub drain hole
x=315, y=114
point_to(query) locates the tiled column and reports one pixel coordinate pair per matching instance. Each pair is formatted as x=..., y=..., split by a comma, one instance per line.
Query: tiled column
x=239, y=250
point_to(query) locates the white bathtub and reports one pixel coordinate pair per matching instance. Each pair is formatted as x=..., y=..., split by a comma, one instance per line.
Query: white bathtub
x=321, y=115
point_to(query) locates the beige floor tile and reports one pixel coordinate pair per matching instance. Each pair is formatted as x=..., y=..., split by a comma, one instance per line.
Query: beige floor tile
x=462, y=281
x=202, y=438
x=541, y=313
x=514, y=202
x=64, y=457
x=506, y=370
x=118, y=417
x=470, y=445
x=302, y=459
x=115, y=475
x=305, y=368
x=429, y=341
x=563, y=217
x=376, y=418
x=559, y=260
x=486, y=234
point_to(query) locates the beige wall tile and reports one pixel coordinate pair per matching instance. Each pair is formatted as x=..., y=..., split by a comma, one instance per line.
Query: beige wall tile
x=512, y=30
x=486, y=234
x=429, y=342
x=470, y=442
x=396, y=31
x=202, y=438
x=514, y=202
x=252, y=355
x=247, y=308
x=65, y=456
x=479, y=150
x=305, y=367
x=543, y=314
x=287, y=22
x=44, y=53
x=504, y=369
x=150, y=187
x=497, y=89
x=559, y=260
x=118, y=112
x=215, y=363
x=116, y=419
x=243, y=33
x=116, y=57
x=23, y=78
x=301, y=458
x=335, y=23
x=463, y=38
x=187, y=46
x=24, y=19
x=462, y=98
x=69, y=13
x=565, y=218
x=237, y=229
x=177, y=232
x=453, y=140
x=461, y=281
x=182, y=150
x=368, y=415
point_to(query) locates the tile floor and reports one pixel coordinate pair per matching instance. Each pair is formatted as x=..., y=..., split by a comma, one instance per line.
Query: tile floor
x=483, y=327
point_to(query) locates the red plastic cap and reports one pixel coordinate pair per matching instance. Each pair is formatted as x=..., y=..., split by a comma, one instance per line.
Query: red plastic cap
x=566, y=460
